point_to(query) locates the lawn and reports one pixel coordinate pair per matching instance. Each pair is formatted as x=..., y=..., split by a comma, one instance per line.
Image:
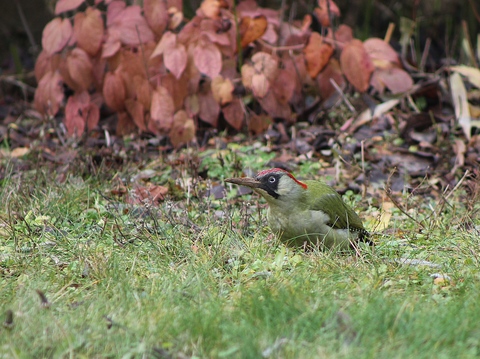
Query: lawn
x=85, y=274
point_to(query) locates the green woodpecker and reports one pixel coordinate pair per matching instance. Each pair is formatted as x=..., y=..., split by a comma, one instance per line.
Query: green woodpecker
x=306, y=213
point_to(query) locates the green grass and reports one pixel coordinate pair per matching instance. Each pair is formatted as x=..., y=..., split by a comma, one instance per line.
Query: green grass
x=205, y=279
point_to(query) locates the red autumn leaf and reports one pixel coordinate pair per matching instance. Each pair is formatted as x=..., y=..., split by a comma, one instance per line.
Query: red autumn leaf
x=166, y=43
x=356, y=65
x=156, y=14
x=114, y=91
x=343, y=34
x=74, y=119
x=321, y=12
x=395, y=79
x=162, y=109
x=89, y=31
x=127, y=25
x=209, y=109
x=56, y=35
x=175, y=60
x=183, y=129
x=331, y=71
x=79, y=66
x=125, y=124
x=259, y=123
x=49, y=93
x=42, y=65
x=260, y=85
x=234, y=114
x=67, y=5
x=284, y=85
x=137, y=112
x=274, y=108
x=317, y=54
x=207, y=58
x=214, y=31
x=143, y=91
x=382, y=54
x=210, y=8
x=252, y=29
x=151, y=194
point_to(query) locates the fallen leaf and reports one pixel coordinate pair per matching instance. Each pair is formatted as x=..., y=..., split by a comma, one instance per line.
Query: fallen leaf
x=19, y=152
x=472, y=74
x=460, y=103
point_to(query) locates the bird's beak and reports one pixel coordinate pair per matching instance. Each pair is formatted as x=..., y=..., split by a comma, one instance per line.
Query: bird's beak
x=245, y=181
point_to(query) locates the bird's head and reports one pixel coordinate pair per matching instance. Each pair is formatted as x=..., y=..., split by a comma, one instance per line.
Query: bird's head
x=275, y=185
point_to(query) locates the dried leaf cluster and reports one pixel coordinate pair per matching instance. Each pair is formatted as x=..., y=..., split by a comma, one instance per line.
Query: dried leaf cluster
x=162, y=73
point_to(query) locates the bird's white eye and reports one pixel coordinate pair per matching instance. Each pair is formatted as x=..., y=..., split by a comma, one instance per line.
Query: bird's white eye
x=272, y=179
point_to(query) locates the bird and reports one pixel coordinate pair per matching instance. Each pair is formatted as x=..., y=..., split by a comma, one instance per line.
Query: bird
x=306, y=213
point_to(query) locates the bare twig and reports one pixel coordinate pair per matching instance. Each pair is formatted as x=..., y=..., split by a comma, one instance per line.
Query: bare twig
x=345, y=99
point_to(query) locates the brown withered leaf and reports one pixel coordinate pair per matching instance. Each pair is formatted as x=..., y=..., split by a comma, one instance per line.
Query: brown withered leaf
x=343, y=34
x=209, y=109
x=331, y=71
x=259, y=123
x=167, y=42
x=234, y=113
x=317, y=54
x=265, y=63
x=321, y=12
x=79, y=67
x=183, y=129
x=127, y=24
x=260, y=85
x=175, y=60
x=382, y=54
x=252, y=29
x=222, y=89
x=151, y=194
x=143, y=91
x=114, y=91
x=80, y=112
x=207, y=58
x=356, y=65
x=156, y=14
x=49, y=94
x=56, y=35
x=88, y=30
x=125, y=124
x=162, y=109
x=42, y=65
x=247, y=74
x=274, y=108
x=395, y=79
x=74, y=121
x=284, y=85
x=177, y=88
x=137, y=112
x=211, y=8
x=67, y=5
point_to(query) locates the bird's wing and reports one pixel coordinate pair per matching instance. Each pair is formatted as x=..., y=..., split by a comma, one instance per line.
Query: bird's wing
x=341, y=215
